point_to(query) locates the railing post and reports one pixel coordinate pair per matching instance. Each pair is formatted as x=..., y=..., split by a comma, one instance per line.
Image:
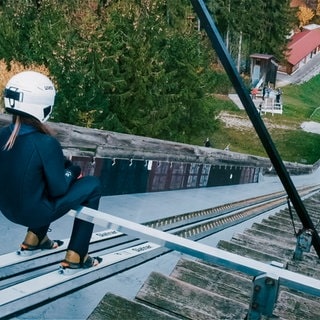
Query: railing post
x=304, y=241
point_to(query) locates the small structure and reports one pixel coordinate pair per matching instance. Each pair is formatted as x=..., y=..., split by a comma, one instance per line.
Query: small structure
x=263, y=70
x=272, y=102
x=268, y=100
x=302, y=47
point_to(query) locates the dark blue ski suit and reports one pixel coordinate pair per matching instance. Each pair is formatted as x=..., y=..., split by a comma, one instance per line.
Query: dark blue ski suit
x=34, y=190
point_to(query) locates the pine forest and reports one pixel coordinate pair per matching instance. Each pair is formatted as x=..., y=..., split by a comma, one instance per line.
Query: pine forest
x=143, y=67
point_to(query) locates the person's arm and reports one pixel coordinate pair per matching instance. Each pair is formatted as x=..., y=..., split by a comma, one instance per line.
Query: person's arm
x=58, y=178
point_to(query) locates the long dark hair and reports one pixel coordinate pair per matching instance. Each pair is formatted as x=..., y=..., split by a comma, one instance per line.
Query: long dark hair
x=17, y=120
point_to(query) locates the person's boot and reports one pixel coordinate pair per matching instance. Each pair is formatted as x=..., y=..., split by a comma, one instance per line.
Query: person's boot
x=31, y=245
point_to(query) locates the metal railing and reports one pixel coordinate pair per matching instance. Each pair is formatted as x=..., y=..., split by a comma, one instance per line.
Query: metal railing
x=266, y=277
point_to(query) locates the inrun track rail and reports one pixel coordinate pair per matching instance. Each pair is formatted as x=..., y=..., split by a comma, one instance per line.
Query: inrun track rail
x=39, y=286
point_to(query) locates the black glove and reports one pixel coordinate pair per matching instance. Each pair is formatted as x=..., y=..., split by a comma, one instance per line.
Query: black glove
x=72, y=173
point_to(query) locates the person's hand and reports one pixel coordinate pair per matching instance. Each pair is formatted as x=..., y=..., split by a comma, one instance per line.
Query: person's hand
x=72, y=173
x=75, y=170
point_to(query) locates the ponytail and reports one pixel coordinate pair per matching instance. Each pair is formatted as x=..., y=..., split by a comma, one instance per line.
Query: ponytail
x=17, y=124
x=17, y=121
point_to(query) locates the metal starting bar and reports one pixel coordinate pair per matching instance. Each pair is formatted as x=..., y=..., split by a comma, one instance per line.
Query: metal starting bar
x=217, y=256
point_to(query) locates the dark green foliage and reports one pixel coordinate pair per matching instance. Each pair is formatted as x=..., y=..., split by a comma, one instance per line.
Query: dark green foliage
x=128, y=66
x=135, y=66
x=263, y=25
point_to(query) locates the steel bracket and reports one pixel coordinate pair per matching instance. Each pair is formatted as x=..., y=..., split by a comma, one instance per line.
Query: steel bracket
x=304, y=242
x=264, y=296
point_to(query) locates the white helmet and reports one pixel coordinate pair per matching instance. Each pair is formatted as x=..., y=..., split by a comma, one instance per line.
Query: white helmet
x=30, y=93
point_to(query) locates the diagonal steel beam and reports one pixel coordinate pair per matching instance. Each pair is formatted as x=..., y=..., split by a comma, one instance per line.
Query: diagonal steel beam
x=217, y=43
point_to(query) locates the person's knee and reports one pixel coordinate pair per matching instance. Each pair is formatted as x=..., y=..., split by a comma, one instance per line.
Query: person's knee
x=92, y=182
x=93, y=188
x=96, y=185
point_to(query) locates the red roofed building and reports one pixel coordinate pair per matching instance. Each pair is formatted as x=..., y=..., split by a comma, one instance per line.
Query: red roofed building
x=301, y=48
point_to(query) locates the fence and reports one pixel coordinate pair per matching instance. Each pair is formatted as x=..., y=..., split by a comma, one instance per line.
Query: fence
x=124, y=176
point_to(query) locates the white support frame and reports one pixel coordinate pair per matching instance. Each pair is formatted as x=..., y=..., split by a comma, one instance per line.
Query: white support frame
x=214, y=255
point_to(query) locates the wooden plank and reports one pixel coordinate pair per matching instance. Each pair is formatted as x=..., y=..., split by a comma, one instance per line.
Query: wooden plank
x=272, y=231
x=269, y=246
x=248, y=252
x=280, y=226
x=308, y=266
x=187, y=300
x=115, y=307
x=288, y=242
x=214, y=279
x=296, y=307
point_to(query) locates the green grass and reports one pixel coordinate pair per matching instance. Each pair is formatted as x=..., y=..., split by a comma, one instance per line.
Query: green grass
x=315, y=116
x=298, y=146
x=300, y=103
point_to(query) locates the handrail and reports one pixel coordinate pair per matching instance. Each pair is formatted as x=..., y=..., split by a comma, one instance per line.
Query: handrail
x=201, y=251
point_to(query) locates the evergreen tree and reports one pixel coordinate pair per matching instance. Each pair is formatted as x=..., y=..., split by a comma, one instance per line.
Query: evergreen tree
x=159, y=66
x=276, y=34
x=256, y=22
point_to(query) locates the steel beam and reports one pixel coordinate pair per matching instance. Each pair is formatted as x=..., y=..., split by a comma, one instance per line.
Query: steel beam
x=217, y=43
